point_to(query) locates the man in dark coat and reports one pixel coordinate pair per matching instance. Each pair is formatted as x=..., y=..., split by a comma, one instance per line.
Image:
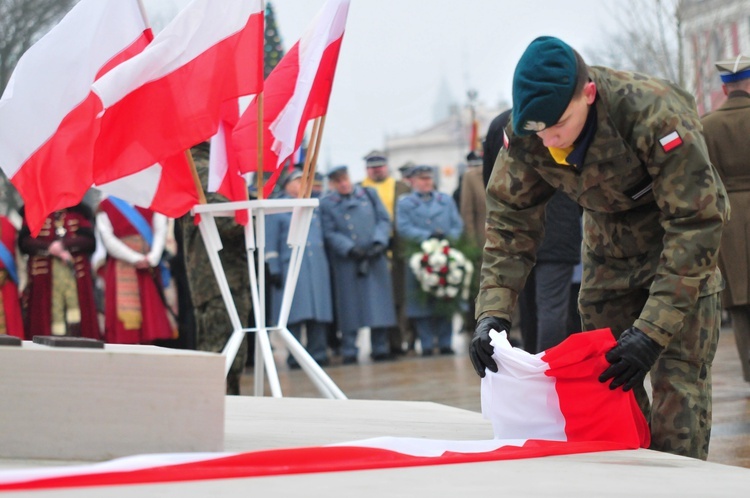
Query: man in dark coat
x=727, y=130
x=356, y=229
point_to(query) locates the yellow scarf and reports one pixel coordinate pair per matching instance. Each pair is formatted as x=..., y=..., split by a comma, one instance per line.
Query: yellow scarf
x=560, y=155
x=386, y=191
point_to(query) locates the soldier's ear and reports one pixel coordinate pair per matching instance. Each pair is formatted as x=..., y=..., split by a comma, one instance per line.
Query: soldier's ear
x=589, y=91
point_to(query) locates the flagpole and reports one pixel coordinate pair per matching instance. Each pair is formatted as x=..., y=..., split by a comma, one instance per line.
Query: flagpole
x=196, y=178
x=143, y=14
x=308, y=159
x=311, y=172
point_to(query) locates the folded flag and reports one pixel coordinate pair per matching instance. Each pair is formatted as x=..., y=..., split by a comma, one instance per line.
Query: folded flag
x=556, y=395
x=580, y=415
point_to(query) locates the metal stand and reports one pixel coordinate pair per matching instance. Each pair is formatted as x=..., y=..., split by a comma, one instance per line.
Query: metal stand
x=255, y=240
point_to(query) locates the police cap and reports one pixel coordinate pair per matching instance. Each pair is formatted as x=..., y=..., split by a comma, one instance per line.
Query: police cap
x=375, y=158
x=473, y=159
x=421, y=170
x=337, y=171
x=732, y=70
x=293, y=175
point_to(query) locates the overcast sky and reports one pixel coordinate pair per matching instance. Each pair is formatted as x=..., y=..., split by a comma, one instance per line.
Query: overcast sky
x=396, y=54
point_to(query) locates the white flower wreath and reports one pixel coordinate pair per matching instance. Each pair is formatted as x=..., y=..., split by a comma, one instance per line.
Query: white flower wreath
x=441, y=270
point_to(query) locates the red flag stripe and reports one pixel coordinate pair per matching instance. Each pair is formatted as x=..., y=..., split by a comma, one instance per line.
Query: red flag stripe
x=178, y=111
x=306, y=461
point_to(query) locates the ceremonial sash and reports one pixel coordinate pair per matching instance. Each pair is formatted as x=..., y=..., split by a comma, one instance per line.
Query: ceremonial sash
x=9, y=261
x=144, y=229
x=135, y=218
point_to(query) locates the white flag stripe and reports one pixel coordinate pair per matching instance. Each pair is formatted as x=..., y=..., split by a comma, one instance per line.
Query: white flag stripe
x=55, y=74
x=521, y=382
x=198, y=27
x=328, y=26
x=123, y=464
x=421, y=447
x=139, y=188
x=218, y=164
x=672, y=136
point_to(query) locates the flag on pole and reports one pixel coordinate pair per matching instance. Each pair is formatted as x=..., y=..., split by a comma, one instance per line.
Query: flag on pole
x=165, y=187
x=169, y=97
x=47, y=112
x=552, y=404
x=296, y=91
x=224, y=175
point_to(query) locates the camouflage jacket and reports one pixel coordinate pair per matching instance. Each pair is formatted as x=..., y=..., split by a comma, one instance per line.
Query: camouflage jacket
x=203, y=286
x=652, y=218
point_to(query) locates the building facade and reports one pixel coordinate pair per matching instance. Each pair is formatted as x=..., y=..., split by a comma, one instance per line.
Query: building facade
x=712, y=30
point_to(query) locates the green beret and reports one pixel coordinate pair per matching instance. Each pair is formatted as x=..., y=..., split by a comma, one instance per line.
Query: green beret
x=543, y=85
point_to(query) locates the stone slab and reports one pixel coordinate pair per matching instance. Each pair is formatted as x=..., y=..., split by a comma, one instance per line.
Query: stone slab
x=98, y=404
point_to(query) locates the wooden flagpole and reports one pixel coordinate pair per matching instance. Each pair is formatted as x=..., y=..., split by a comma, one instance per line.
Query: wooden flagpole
x=308, y=158
x=311, y=171
x=196, y=178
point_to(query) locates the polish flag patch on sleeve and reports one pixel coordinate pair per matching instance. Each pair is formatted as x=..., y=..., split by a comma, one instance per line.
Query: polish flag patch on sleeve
x=671, y=141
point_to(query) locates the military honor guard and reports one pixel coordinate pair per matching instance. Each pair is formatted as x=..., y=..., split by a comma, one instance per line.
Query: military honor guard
x=629, y=149
x=727, y=130
x=312, y=306
x=426, y=213
x=356, y=228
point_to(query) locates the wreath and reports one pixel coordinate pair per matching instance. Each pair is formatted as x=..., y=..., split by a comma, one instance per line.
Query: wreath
x=442, y=271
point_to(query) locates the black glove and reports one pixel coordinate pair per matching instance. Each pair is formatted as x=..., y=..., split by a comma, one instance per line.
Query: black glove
x=437, y=235
x=357, y=253
x=363, y=268
x=275, y=279
x=480, y=349
x=376, y=249
x=630, y=360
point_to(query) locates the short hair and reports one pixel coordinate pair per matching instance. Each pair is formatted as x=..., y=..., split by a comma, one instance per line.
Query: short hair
x=582, y=74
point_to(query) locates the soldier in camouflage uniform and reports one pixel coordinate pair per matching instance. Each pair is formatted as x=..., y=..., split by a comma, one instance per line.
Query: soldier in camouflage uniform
x=629, y=149
x=213, y=326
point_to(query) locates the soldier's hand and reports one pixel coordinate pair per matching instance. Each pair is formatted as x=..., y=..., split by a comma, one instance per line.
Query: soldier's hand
x=437, y=235
x=631, y=359
x=480, y=349
x=357, y=253
x=376, y=249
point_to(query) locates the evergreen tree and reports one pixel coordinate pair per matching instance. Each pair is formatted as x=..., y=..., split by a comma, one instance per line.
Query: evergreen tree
x=273, y=49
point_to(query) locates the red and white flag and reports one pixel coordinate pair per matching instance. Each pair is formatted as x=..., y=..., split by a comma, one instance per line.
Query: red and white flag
x=296, y=91
x=47, y=112
x=556, y=395
x=167, y=187
x=169, y=97
x=224, y=175
x=552, y=404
